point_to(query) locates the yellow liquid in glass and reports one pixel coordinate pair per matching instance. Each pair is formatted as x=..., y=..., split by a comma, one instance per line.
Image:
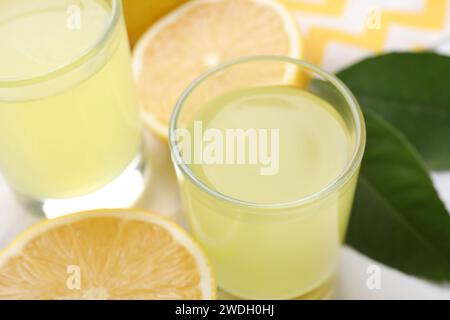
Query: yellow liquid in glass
x=280, y=252
x=76, y=140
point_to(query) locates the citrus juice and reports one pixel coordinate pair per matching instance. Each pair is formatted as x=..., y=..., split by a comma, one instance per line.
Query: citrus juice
x=261, y=246
x=71, y=135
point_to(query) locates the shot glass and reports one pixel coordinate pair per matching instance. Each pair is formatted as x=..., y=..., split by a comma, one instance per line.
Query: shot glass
x=271, y=231
x=70, y=130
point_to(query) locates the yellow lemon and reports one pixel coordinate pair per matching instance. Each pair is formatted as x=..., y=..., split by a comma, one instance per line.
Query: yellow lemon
x=105, y=254
x=140, y=14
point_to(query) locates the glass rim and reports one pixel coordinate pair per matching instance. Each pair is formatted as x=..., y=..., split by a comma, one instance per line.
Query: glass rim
x=90, y=51
x=335, y=184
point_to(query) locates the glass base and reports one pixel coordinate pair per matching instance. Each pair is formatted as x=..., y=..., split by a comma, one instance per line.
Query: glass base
x=325, y=291
x=122, y=192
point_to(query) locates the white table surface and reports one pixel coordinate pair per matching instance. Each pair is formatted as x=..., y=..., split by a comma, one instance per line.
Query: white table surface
x=162, y=197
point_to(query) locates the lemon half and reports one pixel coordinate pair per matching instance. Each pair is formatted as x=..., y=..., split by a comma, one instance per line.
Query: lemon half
x=202, y=34
x=105, y=254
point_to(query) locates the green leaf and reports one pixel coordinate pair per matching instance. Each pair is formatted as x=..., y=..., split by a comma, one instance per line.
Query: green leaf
x=412, y=92
x=398, y=218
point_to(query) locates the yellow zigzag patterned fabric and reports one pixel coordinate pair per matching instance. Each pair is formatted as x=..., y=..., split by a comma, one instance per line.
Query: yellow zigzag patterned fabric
x=339, y=32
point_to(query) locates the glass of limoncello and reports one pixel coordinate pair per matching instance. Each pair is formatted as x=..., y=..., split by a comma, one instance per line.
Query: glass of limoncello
x=267, y=152
x=70, y=131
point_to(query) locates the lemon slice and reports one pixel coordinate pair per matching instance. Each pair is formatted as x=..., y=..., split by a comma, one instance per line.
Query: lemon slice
x=200, y=35
x=105, y=254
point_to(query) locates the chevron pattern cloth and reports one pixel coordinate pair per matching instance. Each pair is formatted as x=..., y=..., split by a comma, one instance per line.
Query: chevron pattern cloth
x=337, y=33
